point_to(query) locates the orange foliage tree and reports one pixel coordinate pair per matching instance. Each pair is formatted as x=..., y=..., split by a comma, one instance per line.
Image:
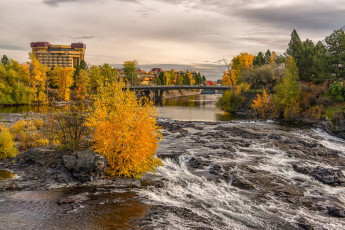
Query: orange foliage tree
x=62, y=77
x=125, y=131
x=81, y=81
x=237, y=64
x=262, y=105
x=38, y=79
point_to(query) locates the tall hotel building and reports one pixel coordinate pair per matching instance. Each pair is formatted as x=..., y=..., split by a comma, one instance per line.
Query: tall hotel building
x=60, y=55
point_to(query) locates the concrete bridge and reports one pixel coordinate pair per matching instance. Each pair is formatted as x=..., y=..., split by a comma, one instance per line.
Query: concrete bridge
x=173, y=87
x=156, y=92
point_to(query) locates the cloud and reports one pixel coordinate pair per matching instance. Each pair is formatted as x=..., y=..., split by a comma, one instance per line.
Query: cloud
x=11, y=47
x=57, y=2
x=85, y=37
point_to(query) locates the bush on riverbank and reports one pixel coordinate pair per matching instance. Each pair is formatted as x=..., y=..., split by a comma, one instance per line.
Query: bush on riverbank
x=28, y=134
x=125, y=131
x=7, y=147
x=66, y=129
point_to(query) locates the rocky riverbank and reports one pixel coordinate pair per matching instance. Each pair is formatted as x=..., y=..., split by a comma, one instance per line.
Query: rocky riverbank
x=244, y=175
x=217, y=175
x=46, y=168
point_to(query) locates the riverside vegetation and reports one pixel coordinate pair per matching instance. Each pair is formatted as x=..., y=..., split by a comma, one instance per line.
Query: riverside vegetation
x=117, y=125
x=302, y=86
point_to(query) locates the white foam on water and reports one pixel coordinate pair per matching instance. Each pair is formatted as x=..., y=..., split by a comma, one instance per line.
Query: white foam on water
x=219, y=202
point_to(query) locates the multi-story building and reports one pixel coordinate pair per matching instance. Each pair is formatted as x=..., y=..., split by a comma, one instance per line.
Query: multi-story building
x=59, y=55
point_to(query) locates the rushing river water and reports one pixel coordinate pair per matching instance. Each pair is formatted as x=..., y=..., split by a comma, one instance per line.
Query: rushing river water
x=216, y=175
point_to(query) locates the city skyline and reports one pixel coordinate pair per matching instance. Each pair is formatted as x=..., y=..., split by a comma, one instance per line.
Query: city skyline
x=196, y=33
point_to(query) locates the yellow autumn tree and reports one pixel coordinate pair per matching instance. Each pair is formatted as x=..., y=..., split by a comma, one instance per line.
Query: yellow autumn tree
x=262, y=105
x=62, y=77
x=81, y=81
x=273, y=57
x=38, y=79
x=226, y=79
x=125, y=131
x=240, y=62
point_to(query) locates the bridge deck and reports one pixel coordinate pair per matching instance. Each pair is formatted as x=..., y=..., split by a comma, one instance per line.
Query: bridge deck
x=172, y=87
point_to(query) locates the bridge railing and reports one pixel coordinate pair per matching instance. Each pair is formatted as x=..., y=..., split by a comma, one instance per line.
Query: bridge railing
x=171, y=87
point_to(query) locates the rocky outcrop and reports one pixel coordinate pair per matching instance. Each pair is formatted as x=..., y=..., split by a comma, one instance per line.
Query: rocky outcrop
x=45, y=167
x=333, y=177
x=85, y=165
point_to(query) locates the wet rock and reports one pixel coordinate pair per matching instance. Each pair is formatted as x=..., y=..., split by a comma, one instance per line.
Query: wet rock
x=333, y=177
x=65, y=201
x=194, y=163
x=302, y=223
x=85, y=165
x=217, y=170
x=240, y=183
x=336, y=211
x=329, y=176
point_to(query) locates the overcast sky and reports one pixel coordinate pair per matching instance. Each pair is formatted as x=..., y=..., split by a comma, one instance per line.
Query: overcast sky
x=193, y=32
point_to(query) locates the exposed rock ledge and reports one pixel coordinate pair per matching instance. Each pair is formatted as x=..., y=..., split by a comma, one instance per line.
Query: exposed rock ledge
x=44, y=168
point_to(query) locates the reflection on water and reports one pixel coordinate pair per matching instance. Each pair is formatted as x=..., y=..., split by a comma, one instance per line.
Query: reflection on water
x=185, y=108
x=86, y=208
x=194, y=108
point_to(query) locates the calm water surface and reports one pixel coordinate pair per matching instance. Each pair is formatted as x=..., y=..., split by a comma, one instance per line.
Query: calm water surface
x=185, y=108
x=194, y=108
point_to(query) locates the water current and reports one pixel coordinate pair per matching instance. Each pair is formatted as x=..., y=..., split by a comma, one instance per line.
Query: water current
x=218, y=173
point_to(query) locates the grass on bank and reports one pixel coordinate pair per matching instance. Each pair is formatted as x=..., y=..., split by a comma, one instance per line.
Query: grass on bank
x=329, y=111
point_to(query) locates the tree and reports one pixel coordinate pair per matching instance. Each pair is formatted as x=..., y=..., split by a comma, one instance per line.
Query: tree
x=81, y=81
x=288, y=91
x=96, y=78
x=5, y=60
x=203, y=79
x=108, y=73
x=186, y=80
x=125, y=131
x=262, y=105
x=306, y=61
x=130, y=70
x=336, y=50
x=260, y=77
x=259, y=59
x=161, y=78
x=273, y=58
x=267, y=56
x=295, y=46
x=238, y=63
x=64, y=80
x=38, y=79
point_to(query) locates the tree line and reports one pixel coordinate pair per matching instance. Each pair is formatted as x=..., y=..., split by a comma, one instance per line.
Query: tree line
x=299, y=85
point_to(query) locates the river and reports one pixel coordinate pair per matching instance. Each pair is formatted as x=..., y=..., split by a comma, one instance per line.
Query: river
x=219, y=172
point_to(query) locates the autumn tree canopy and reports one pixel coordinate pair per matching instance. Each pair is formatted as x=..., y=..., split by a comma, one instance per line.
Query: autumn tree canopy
x=125, y=131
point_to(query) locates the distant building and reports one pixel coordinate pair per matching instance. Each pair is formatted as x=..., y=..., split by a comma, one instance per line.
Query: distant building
x=59, y=55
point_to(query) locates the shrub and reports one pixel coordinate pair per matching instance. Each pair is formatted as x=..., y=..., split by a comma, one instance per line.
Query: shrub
x=262, y=105
x=313, y=114
x=7, y=148
x=125, y=131
x=66, y=129
x=28, y=133
x=18, y=126
x=336, y=91
x=230, y=101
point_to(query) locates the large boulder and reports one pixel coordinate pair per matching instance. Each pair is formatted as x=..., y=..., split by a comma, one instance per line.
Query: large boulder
x=85, y=165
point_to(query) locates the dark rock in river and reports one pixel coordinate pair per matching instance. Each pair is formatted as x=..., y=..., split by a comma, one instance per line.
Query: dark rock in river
x=336, y=211
x=217, y=170
x=194, y=163
x=85, y=165
x=333, y=177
